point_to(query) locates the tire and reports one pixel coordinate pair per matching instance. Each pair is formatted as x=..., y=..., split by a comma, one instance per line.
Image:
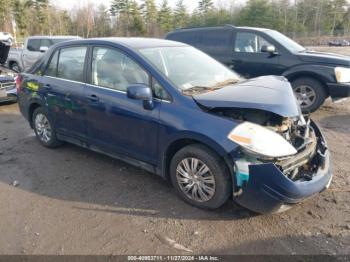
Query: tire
x=310, y=93
x=42, y=126
x=218, y=172
x=15, y=67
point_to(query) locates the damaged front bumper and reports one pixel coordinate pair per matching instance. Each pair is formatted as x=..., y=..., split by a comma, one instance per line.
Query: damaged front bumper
x=269, y=190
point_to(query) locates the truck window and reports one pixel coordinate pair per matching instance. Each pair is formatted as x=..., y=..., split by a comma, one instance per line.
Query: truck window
x=45, y=42
x=33, y=45
x=249, y=42
x=71, y=63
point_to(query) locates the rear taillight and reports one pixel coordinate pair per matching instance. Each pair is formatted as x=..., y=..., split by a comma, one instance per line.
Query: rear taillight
x=18, y=80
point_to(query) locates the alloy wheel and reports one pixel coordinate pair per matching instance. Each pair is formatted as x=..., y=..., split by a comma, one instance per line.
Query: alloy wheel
x=43, y=127
x=195, y=179
x=306, y=95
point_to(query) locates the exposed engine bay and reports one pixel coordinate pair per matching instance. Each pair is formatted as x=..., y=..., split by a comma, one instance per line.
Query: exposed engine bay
x=297, y=131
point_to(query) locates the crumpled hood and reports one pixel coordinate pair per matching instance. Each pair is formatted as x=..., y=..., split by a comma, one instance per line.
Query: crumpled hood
x=269, y=93
x=325, y=58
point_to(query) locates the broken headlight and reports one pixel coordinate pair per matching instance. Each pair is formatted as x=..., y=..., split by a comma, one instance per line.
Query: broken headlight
x=261, y=141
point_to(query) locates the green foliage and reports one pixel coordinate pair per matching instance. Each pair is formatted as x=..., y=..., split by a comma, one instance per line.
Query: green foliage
x=144, y=18
x=180, y=15
x=165, y=19
x=149, y=13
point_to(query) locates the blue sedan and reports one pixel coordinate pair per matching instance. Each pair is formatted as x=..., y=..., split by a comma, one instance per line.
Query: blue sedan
x=170, y=109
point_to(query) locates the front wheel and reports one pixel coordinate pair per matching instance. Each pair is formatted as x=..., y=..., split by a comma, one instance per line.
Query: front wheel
x=44, y=129
x=310, y=93
x=200, y=177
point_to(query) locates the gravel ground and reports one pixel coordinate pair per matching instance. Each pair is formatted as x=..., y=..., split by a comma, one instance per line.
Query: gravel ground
x=73, y=201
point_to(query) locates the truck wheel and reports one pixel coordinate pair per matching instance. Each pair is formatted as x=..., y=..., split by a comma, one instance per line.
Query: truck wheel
x=15, y=67
x=310, y=93
x=200, y=177
x=44, y=129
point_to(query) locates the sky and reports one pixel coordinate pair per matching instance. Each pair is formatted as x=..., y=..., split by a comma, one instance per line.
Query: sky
x=191, y=4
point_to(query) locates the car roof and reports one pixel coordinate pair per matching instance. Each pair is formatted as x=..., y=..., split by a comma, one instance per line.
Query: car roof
x=220, y=27
x=131, y=42
x=53, y=37
x=254, y=28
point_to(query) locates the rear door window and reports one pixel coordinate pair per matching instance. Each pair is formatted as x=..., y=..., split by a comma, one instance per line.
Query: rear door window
x=52, y=68
x=71, y=63
x=249, y=42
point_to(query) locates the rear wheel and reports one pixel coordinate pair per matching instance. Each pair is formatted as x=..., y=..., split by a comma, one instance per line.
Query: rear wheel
x=310, y=93
x=200, y=177
x=44, y=129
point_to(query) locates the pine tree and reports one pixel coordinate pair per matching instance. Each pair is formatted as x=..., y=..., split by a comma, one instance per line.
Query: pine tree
x=149, y=14
x=137, y=26
x=180, y=15
x=122, y=9
x=204, y=6
x=165, y=16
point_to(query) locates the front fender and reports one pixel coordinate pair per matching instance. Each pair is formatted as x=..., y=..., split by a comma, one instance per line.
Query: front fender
x=221, y=150
x=324, y=73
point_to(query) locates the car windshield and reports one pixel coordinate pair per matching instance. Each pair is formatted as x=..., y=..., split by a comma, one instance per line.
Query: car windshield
x=285, y=41
x=189, y=69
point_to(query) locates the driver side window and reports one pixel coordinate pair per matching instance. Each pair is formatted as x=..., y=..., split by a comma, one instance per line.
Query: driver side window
x=249, y=43
x=113, y=69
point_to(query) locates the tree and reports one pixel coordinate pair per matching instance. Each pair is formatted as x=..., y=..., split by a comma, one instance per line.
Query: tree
x=259, y=13
x=204, y=6
x=149, y=14
x=180, y=15
x=137, y=26
x=122, y=9
x=19, y=16
x=39, y=15
x=102, y=22
x=165, y=17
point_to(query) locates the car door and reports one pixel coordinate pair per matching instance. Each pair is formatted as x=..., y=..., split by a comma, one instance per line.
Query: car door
x=248, y=59
x=116, y=123
x=63, y=87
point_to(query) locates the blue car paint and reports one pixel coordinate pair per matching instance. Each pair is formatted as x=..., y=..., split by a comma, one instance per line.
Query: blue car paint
x=269, y=93
x=119, y=126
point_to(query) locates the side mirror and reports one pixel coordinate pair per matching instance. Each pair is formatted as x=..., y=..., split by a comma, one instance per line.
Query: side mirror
x=43, y=49
x=268, y=49
x=141, y=92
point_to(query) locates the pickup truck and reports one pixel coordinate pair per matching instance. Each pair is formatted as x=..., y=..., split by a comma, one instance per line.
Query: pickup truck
x=21, y=59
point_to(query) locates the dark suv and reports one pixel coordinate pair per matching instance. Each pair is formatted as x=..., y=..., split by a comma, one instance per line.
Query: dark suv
x=255, y=52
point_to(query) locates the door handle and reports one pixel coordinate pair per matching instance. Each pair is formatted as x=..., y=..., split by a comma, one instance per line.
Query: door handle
x=93, y=98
